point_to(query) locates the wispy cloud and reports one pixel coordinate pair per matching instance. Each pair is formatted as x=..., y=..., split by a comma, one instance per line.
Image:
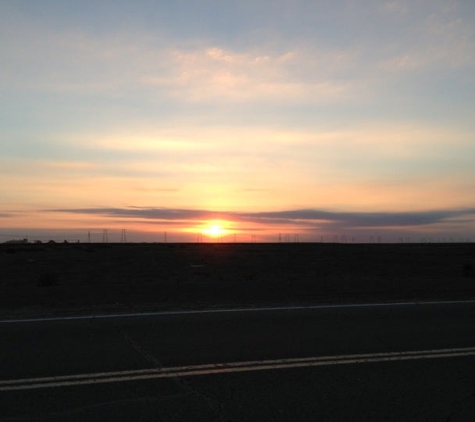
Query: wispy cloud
x=370, y=219
x=197, y=73
x=320, y=217
x=215, y=73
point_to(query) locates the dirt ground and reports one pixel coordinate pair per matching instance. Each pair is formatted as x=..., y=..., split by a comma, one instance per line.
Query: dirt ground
x=62, y=279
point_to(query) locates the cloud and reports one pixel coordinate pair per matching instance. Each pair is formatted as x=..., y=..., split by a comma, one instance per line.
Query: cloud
x=308, y=65
x=74, y=61
x=369, y=219
x=438, y=35
x=217, y=73
x=146, y=213
x=291, y=217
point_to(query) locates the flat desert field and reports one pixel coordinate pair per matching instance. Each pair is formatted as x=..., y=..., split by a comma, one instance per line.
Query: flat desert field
x=66, y=279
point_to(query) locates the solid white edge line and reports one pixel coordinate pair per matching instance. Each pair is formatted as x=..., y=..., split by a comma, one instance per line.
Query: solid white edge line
x=209, y=369
x=231, y=310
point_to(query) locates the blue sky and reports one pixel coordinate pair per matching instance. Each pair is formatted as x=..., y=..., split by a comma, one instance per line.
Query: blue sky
x=238, y=107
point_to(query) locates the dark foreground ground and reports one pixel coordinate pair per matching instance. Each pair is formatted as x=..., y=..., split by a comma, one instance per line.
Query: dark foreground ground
x=66, y=361
x=62, y=279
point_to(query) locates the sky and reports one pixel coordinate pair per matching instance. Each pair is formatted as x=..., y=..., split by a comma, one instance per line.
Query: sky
x=339, y=120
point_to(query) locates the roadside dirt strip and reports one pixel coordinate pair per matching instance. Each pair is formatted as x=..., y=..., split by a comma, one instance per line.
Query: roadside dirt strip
x=222, y=368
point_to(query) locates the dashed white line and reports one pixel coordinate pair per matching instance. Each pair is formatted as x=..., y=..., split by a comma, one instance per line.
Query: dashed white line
x=222, y=368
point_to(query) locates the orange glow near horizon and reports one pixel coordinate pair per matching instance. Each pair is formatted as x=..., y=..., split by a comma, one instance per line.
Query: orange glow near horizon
x=211, y=229
x=215, y=229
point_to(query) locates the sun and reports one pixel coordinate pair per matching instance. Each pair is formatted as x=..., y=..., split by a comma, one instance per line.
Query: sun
x=214, y=229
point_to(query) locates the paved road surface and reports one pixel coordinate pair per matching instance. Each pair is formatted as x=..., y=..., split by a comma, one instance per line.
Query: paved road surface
x=400, y=362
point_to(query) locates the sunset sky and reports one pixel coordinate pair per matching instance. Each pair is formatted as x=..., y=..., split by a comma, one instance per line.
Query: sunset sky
x=237, y=119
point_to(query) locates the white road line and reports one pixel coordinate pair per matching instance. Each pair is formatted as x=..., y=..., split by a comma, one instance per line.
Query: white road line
x=222, y=368
x=232, y=310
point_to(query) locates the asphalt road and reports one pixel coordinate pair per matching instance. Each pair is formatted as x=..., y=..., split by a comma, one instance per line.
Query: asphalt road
x=399, y=362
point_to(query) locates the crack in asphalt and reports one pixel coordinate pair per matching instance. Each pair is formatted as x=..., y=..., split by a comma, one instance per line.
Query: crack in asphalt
x=381, y=341
x=139, y=349
x=213, y=403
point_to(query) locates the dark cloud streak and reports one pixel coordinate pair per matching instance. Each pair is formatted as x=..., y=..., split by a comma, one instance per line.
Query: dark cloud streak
x=292, y=217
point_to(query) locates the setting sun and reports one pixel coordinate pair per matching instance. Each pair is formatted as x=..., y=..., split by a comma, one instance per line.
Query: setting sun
x=214, y=229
